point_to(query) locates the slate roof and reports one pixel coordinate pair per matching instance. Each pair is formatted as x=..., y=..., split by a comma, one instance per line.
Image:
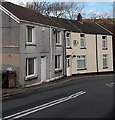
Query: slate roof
x=90, y=28
x=27, y=14
x=70, y=25
x=66, y=24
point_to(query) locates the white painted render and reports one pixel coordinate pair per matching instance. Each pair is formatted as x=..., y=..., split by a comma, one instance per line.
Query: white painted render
x=109, y=53
x=90, y=53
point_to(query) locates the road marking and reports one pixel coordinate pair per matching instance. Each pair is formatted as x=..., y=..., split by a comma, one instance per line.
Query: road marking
x=110, y=84
x=41, y=107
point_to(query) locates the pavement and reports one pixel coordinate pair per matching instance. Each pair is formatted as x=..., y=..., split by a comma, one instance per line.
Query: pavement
x=6, y=92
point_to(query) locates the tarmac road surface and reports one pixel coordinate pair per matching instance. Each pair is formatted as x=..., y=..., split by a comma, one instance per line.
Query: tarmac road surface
x=91, y=97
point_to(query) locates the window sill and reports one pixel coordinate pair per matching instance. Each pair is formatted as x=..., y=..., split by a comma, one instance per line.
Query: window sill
x=31, y=78
x=58, y=70
x=104, y=49
x=81, y=69
x=68, y=47
x=83, y=48
x=30, y=44
x=58, y=45
x=105, y=67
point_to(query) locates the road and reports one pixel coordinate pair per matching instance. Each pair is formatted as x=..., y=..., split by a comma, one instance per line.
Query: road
x=90, y=97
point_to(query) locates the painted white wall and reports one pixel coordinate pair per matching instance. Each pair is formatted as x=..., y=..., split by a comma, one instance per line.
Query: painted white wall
x=109, y=53
x=90, y=53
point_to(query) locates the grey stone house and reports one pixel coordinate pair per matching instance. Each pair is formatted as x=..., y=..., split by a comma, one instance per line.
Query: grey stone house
x=32, y=44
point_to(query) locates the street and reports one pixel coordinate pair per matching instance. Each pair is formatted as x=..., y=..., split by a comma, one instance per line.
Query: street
x=90, y=97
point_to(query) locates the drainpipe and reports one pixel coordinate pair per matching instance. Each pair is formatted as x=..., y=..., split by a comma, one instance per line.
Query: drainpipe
x=97, y=55
x=64, y=53
x=50, y=53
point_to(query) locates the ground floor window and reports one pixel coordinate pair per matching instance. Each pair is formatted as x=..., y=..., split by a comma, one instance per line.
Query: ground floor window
x=30, y=67
x=105, y=61
x=81, y=62
x=58, y=62
x=68, y=62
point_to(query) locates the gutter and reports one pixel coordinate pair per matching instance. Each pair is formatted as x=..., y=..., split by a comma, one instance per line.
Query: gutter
x=44, y=25
x=97, y=55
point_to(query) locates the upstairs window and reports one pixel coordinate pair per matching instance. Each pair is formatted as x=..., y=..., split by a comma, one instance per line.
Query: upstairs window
x=104, y=42
x=30, y=35
x=68, y=40
x=58, y=38
x=82, y=41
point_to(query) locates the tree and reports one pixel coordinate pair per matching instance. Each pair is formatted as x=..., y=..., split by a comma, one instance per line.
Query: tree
x=57, y=9
x=99, y=15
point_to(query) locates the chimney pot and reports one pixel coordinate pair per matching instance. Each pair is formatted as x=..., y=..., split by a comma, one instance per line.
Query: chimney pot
x=79, y=17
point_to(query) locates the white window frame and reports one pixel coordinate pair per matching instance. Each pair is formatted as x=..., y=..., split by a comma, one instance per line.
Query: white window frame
x=59, y=62
x=105, y=58
x=83, y=40
x=83, y=58
x=33, y=35
x=27, y=74
x=58, y=38
x=69, y=40
x=104, y=42
x=68, y=62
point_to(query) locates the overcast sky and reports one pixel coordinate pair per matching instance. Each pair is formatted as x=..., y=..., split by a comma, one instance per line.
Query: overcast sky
x=91, y=6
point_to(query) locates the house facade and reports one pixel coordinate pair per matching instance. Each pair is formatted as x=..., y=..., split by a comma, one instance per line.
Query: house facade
x=81, y=59
x=95, y=43
x=88, y=47
x=32, y=46
x=87, y=56
x=42, y=49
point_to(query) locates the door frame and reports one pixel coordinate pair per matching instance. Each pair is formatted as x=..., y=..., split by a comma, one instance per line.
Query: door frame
x=68, y=66
x=43, y=68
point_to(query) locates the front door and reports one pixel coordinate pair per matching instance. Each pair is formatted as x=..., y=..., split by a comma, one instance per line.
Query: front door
x=43, y=68
x=68, y=67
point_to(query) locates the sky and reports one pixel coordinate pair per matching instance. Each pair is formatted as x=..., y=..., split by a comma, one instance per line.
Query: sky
x=91, y=6
x=99, y=7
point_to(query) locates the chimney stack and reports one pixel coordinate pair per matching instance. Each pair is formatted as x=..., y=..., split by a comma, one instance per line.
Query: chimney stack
x=79, y=18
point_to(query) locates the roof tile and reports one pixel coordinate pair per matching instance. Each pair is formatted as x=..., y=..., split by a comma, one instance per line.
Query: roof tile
x=28, y=14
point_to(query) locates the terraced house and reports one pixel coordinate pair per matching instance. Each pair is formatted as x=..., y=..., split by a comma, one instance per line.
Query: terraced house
x=42, y=48
x=88, y=47
x=32, y=44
